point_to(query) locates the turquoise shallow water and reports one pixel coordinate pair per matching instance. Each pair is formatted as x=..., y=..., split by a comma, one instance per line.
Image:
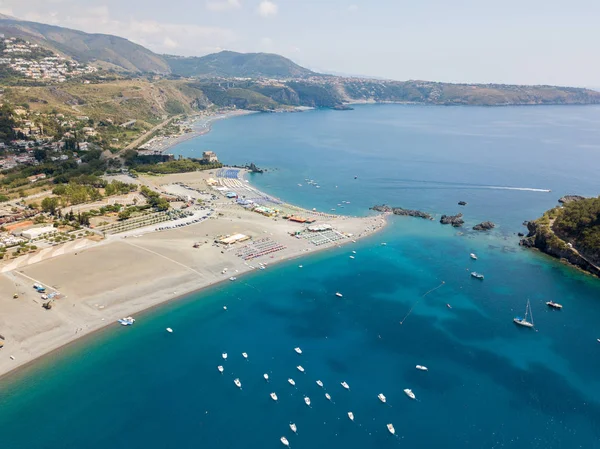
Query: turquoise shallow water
x=489, y=385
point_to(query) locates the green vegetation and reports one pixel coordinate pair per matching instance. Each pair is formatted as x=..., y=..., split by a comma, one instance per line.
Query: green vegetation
x=232, y=64
x=6, y=124
x=578, y=222
x=154, y=199
x=178, y=166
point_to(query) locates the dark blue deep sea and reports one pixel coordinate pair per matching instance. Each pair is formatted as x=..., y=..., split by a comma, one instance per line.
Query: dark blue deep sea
x=489, y=384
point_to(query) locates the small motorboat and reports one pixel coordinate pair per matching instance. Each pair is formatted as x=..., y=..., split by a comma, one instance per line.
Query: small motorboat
x=299, y=266
x=220, y=368
x=299, y=367
x=128, y=321
x=449, y=306
x=598, y=340
x=345, y=385
x=353, y=252
x=224, y=355
x=409, y=393
x=285, y=442
x=554, y=305
x=237, y=383
x=391, y=429
x=327, y=395
x=383, y=244
x=422, y=368
x=169, y=330
x=266, y=376
x=381, y=397
x=339, y=295
x=307, y=400
x=351, y=416
x=319, y=383
x=351, y=257
x=477, y=275
x=298, y=350
x=232, y=278
x=291, y=381
x=293, y=427
x=473, y=256
x=224, y=307
x=273, y=396
x=245, y=355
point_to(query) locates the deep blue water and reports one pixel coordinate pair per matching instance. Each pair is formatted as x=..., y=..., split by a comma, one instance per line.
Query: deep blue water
x=489, y=385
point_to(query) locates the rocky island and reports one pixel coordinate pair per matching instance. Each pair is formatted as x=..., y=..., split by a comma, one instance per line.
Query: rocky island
x=570, y=233
x=485, y=226
x=403, y=212
x=454, y=220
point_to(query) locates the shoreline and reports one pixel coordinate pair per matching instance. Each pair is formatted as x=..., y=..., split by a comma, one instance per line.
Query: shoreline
x=206, y=128
x=155, y=269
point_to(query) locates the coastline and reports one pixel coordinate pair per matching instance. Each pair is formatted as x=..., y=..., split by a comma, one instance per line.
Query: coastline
x=139, y=271
x=206, y=127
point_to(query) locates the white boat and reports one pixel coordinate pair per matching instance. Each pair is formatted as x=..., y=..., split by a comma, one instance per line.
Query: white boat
x=351, y=416
x=381, y=397
x=351, y=257
x=273, y=396
x=383, y=244
x=345, y=385
x=328, y=396
x=598, y=340
x=300, y=368
x=285, y=442
x=319, y=383
x=232, y=278
x=237, y=383
x=409, y=393
x=523, y=321
x=477, y=275
x=169, y=330
x=554, y=305
x=293, y=427
x=391, y=429
x=422, y=368
x=338, y=294
x=298, y=350
x=307, y=400
x=291, y=381
x=353, y=252
x=473, y=256
x=128, y=321
x=224, y=355
x=299, y=266
x=266, y=376
x=245, y=355
x=220, y=368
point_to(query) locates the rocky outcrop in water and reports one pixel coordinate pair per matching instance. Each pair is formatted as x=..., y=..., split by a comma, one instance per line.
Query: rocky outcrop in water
x=542, y=237
x=402, y=212
x=254, y=169
x=485, y=226
x=454, y=220
x=570, y=198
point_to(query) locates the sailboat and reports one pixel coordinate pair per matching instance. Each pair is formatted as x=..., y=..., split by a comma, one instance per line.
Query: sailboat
x=523, y=321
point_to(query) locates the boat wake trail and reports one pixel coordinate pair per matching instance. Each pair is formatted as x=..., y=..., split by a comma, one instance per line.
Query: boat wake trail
x=527, y=189
x=415, y=304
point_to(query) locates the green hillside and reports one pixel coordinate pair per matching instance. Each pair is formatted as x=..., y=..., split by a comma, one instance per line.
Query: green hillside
x=102, y=49
x=231, y=64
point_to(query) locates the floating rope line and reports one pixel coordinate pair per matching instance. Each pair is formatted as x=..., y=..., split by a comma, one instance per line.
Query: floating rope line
x=415, y=304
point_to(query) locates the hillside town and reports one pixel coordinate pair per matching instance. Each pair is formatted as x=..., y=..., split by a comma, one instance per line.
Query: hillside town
x=35, y=62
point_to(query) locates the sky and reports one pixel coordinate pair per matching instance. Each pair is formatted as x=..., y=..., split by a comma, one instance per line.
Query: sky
x=509, y=41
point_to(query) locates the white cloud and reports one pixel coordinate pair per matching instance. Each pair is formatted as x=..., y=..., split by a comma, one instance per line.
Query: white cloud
x=267, y=8
x=353, y=8
x=223, y=5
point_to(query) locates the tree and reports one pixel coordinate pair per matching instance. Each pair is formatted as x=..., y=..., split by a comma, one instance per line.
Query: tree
x=50, y=204
x=40, y=155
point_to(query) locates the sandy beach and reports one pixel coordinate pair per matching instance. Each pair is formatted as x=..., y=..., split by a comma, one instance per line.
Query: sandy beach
x=127, y=273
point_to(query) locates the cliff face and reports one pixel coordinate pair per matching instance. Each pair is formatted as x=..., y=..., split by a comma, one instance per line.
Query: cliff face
x=542, y=237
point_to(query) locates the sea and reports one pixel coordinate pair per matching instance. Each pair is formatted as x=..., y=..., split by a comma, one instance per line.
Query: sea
x=489, y=384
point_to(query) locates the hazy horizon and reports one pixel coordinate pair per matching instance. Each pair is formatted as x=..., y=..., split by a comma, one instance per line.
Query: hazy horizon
x=466, y=42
